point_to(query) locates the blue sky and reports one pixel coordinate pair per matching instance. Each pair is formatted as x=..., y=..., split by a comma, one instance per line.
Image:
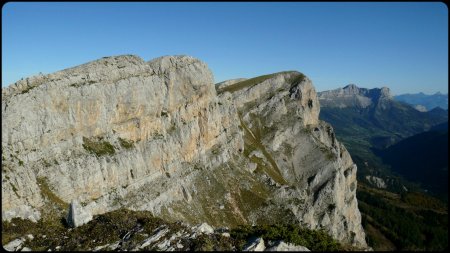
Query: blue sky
x=400, y=45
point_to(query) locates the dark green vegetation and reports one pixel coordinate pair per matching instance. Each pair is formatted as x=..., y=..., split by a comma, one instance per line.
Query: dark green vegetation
x=429, y=101
x=407, y=221
x=26, y=90
x=113, y=226
x=48, y=193
x=126, y=144
x=377, y=127
x=315, y=240
x=106, y=228
x=422, y=158
x=79, y=84
x=98, y=147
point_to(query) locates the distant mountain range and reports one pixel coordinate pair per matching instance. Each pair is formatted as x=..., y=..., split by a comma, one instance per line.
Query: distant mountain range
x=371, y=119
x=422, y=101
x=402, y=159
x=373, y=116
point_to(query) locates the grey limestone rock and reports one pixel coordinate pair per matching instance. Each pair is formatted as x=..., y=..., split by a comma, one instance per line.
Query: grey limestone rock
x=120, y=132
x=254, y=244
x=377, y=181
x=77, y=216
x=282, y=246
x=14, y=245
x=204, y=228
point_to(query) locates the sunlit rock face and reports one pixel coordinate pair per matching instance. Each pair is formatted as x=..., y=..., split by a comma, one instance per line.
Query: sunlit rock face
x=122, y=132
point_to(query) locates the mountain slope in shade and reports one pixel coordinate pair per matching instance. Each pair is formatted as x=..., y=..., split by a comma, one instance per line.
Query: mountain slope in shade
x=428, y=101
x=422, y=158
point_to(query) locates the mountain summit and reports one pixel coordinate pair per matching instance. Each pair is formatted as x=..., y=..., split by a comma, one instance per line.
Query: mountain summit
x=353, y=96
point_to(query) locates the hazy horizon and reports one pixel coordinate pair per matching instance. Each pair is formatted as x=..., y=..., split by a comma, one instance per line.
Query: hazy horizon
x=403, y=46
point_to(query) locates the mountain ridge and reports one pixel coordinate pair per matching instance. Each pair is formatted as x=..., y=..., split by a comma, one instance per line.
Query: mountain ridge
x=157, y=136
x=429, y=102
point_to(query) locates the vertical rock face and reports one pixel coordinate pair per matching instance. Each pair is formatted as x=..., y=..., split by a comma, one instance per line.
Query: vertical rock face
x=280, y=116
x=76, y=215
x=122, y=132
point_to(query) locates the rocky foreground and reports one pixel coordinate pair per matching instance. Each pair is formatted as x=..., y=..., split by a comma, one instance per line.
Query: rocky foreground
x=126, y=230
x=159, y=136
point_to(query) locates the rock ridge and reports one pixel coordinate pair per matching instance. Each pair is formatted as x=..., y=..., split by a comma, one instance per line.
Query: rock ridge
x=157, y=136
x=351, y=95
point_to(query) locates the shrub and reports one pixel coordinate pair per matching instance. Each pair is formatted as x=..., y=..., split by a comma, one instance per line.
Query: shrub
x=126, y=144
x=98, y=148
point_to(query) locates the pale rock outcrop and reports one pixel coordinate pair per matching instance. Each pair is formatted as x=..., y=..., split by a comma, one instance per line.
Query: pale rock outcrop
x=377, y=181
x=122, y=132
x=255, y=244
x=282, y=246
x=167, y=108
x=14, y=245
x=302, y=155
x=158, y=234
x=420, y=108
x=204, y=228
x=77, y=216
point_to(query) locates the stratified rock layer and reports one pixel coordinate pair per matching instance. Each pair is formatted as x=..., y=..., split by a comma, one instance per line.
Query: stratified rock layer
x=122, y=132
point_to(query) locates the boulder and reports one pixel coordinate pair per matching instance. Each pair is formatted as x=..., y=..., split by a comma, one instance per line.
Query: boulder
x=77, y=216
x=14, y=245
x=255, y=244
x=282, y=246
x=205, y=228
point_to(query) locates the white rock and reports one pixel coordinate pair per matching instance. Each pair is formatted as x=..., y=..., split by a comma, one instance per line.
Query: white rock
x=100, y=247
x=282, y=246
x=114, y=245
x=255, y=244
x=77, y=216
x=205, y=228
x=13, y=245
x=26, y=249
x=160, y=232
x=377, y=181
x=252, y=167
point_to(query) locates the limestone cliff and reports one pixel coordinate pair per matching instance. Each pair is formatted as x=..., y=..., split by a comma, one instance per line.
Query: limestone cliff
x=353, y=96
x=122, y=132
x=280, y=115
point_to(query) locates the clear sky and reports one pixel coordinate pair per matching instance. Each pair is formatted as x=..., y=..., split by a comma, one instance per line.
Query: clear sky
x=400, y=45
